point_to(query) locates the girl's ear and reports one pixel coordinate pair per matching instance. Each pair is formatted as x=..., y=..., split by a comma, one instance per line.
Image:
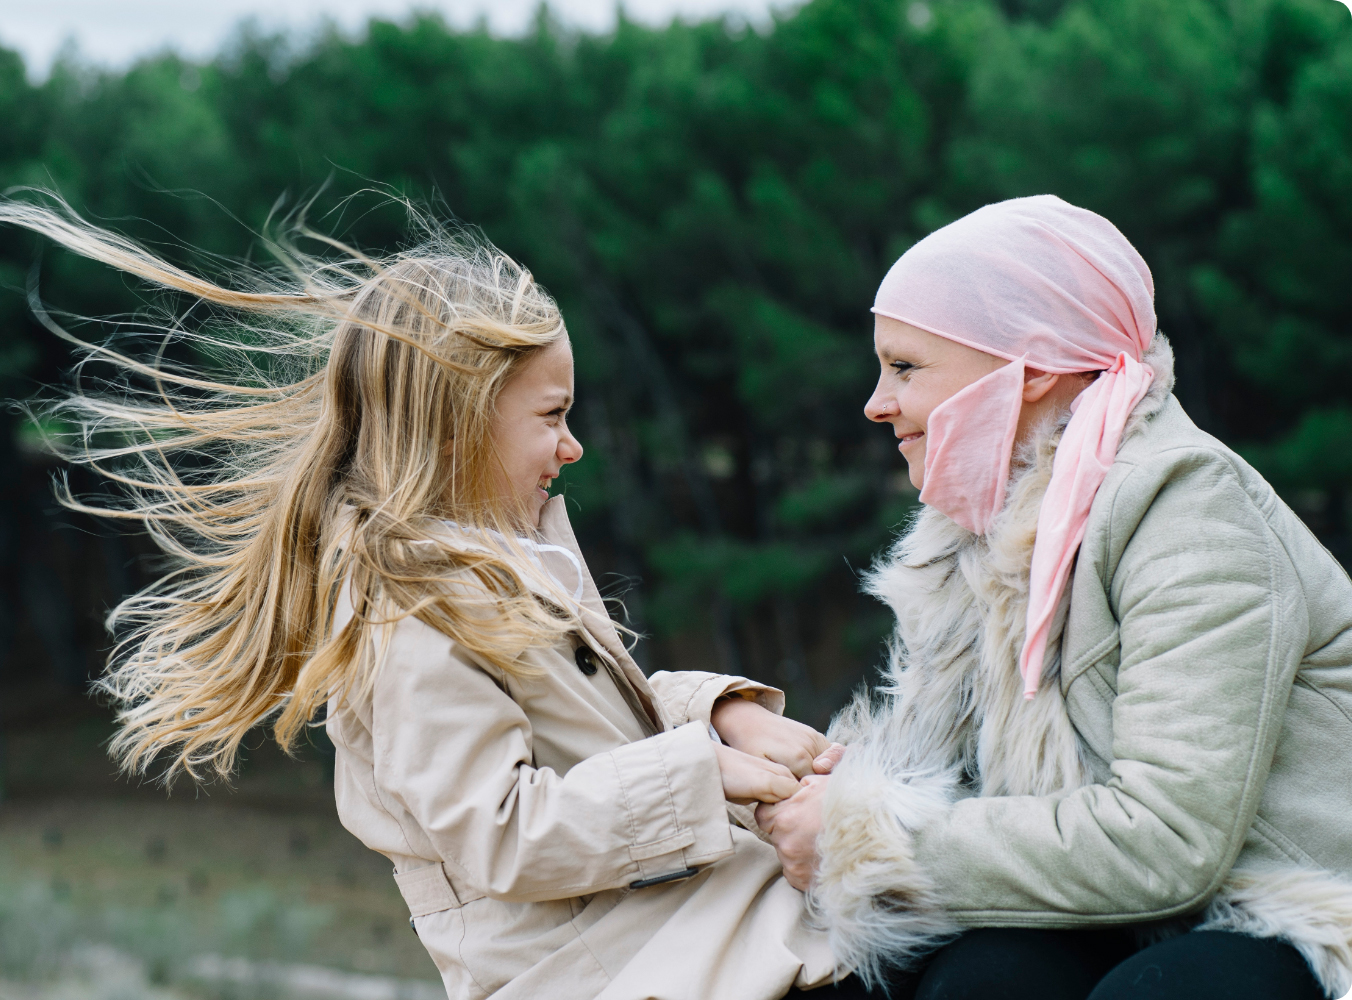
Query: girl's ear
x=1037, y=384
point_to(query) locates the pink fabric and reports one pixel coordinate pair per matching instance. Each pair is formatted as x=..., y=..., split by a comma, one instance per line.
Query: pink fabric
x=967, y=461
x=1058, y=289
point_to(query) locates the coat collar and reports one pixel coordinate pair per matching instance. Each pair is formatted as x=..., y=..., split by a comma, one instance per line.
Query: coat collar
x=961, y=603
x=601, y=634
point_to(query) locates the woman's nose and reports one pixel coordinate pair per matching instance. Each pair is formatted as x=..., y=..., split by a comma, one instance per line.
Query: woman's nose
x=879, y=409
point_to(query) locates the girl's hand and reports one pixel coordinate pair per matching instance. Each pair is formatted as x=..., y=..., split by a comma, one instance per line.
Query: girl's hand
x=793, y=826
x=748, y=779
x=746, y=726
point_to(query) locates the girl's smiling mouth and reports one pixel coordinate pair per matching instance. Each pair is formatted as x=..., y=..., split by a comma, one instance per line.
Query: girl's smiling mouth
x=910, y=439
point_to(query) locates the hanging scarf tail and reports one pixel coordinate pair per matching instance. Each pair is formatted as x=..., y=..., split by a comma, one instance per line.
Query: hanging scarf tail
x=1087, y=451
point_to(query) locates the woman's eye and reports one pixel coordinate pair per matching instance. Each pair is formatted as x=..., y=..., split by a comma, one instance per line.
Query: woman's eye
x=902, y=367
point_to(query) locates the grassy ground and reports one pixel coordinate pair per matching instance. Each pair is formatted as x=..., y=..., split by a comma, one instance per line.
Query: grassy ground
x=109, y=887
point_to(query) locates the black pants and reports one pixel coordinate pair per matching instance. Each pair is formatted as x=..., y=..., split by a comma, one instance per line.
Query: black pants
x=1009, y=964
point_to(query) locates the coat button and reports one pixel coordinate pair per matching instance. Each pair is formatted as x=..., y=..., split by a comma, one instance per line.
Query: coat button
x=586, y=660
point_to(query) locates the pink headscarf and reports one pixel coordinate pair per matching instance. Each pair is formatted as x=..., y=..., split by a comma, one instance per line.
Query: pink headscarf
x=1048, y=286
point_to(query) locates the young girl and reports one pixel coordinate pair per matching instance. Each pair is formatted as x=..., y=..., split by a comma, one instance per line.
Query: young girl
x=364, y=522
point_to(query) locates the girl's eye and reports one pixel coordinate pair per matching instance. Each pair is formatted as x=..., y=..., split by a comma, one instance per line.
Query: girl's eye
x=902, y=367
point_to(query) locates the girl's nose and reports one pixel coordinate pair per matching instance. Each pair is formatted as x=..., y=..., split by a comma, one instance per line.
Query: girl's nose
x=570, y=448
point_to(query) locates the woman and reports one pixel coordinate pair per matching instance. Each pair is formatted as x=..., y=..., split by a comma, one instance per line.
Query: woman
x=1114, y=754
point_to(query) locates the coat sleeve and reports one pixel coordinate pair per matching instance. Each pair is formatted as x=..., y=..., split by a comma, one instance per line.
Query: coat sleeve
x=689, y=695
x=453, y=760
x=1213, y=627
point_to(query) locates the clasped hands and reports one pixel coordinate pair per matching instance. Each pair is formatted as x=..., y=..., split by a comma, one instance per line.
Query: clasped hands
x=782, y=765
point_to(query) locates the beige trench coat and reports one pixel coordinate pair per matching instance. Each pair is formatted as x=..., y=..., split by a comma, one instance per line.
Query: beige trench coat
x=520, y=813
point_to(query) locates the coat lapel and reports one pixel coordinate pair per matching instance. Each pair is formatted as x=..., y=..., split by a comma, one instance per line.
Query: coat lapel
x=599, y=631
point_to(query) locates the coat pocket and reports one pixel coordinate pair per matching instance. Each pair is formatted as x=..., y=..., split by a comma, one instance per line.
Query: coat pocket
x=1077, y=658
x=1089, y=690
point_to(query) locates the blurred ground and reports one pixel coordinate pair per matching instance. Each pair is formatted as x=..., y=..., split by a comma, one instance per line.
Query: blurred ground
x=118, y=892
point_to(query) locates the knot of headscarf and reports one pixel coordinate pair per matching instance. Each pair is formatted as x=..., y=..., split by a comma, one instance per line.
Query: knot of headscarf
x=1048, y=286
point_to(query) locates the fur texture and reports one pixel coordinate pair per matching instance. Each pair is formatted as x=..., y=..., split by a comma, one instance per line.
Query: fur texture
x=1310, y=909
x=879, y=906
x=951, y=721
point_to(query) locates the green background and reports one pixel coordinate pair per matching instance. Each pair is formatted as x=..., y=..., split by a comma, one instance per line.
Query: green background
x=713, y=206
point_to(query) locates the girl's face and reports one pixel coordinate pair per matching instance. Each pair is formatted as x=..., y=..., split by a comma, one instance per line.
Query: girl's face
x=919, y=371
x=530, y=428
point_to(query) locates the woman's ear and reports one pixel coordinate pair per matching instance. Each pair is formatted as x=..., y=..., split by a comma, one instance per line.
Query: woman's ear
x=1037, y=384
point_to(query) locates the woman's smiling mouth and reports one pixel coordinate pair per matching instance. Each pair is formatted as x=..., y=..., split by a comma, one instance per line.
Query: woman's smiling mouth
x=909, y=439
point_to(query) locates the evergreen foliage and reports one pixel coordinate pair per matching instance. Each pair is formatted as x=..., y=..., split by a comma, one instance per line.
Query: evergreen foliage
x=714, y=206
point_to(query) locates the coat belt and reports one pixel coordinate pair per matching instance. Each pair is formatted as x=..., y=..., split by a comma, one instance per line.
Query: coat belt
x=429, y=890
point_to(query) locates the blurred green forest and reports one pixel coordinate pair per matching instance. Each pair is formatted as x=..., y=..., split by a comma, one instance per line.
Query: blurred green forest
x=713, y=205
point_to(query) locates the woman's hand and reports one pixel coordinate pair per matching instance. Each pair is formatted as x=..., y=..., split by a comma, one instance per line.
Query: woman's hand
x=826, y=762
x=748, y=779
x=792, y=826
x=746, y=726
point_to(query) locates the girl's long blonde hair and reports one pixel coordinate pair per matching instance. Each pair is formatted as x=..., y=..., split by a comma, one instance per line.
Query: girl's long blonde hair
x=321, y=459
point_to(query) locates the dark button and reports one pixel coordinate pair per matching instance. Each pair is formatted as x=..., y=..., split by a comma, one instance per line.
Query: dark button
x=586, y=660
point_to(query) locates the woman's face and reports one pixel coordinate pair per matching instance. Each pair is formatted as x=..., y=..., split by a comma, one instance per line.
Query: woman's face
x=530, y=428
x=919, y=370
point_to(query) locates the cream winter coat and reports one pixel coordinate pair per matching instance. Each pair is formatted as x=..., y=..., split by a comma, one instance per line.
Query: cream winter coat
x=520, y=812
x=1187, y=761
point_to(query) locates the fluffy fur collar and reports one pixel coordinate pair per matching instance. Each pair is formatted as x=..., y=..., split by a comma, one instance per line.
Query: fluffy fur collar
x=960, y=726
x=961, y=602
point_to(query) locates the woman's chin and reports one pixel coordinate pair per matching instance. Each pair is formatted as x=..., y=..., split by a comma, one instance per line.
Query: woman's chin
x=915, y=469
